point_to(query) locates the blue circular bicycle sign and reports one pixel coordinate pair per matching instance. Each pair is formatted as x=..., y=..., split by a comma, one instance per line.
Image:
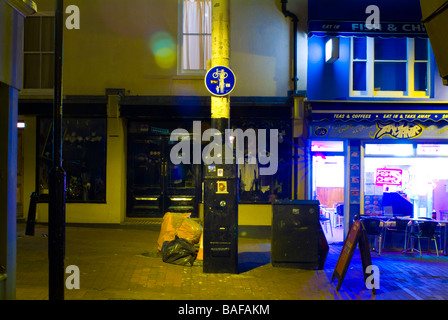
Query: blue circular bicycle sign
x=220, y=80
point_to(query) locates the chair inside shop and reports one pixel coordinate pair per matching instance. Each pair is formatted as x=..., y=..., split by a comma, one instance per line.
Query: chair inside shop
x=401, y=226
x=339, y=213
x=325, y=221
x=373, y=228
x=426, y=230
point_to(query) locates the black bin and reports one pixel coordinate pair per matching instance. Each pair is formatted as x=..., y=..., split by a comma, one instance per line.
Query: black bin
x=297, y=237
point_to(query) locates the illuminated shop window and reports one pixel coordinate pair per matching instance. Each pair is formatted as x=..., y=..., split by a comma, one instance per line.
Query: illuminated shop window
x=327, y=146
x=84, y=158
x=432, y=149
x=402, y=150
x=389, y=67
x=258, y=188
x=196, y=35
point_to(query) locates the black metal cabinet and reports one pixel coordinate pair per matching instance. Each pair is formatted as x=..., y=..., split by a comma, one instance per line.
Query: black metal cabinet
x=220, y=219
x=295, y=234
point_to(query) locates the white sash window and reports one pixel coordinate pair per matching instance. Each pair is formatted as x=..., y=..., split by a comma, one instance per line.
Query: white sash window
x=390, y=67
x=195, y=36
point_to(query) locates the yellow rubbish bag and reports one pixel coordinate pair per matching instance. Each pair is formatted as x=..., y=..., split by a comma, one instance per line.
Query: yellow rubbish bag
x=179, y=224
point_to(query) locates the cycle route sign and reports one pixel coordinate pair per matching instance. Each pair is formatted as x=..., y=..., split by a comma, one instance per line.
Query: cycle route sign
x=220, y=81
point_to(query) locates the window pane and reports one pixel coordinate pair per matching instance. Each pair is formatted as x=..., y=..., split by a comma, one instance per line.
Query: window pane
x=389, y=149
x=390, y=76
x=390, y=49
x=421, y=49
x=207, y=22
x=325, y=145
x=193, y=53
x=84, y=150
x=420, y=76
x=360, y=48
x=31, y=67
x=255, y=187
x=432, y=149
x=32, y=34
x=359, y=76
x=47, y=71
x=47, y=34
x=194, y=13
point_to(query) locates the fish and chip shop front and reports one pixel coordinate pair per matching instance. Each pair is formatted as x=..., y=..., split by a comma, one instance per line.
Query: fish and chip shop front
x=378, y=112
x=384, y=151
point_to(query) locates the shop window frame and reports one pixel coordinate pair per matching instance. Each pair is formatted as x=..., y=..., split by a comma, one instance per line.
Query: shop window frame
x=413, y=143
x=390, y=154
x=370, y=91
x=342, y=153
x=391, y=141
x=44, y=197
x=417, y=154
x=281, y=179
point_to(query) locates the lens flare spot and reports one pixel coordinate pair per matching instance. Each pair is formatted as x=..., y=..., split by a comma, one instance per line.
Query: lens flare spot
x=163, y=48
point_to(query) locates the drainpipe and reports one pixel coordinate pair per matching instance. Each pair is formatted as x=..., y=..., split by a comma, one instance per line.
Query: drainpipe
x=295, y=20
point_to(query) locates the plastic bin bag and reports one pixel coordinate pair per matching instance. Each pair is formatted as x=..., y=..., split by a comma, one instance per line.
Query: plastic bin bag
x=171, y=222
x=181, y=225
x=190, y=230
x=179, y=251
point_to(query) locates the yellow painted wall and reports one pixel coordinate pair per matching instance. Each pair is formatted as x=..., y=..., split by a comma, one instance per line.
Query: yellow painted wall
x=29, y=161
x=249, y=214
x=255, y=214
x=114, y=48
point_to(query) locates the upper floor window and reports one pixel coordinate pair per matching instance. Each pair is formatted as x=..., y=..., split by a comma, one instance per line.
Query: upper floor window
x=389, y=67
x=196, y=35
x=38, y=64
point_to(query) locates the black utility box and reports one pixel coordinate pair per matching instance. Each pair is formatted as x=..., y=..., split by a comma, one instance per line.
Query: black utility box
x=220, y=219
x=297, y=238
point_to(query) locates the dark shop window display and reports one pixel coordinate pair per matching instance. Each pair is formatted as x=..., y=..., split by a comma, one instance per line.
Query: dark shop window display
x=84, y=158
x=256, y=188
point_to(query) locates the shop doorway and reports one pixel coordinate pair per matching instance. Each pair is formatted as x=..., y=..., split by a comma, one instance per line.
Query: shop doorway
x=328, y=184
x=154, y=184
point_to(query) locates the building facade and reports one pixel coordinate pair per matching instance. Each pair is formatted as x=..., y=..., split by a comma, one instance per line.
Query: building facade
x=378, y=111
x=133, y=71
x=12, y=18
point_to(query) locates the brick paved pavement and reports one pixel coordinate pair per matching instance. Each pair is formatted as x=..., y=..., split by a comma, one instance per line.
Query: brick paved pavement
x=121, y=263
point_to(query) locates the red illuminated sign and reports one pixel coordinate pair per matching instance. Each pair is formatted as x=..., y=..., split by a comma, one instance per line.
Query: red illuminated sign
x=388, y=177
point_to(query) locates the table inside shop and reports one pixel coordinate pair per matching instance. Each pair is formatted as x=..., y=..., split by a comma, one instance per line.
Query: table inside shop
x=390, y=222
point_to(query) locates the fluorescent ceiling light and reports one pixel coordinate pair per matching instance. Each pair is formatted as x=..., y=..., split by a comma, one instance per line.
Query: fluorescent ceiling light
x=332, y=50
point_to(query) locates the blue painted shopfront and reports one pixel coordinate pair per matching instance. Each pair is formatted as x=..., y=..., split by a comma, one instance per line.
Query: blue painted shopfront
x=383, y=88
x=346, y=20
